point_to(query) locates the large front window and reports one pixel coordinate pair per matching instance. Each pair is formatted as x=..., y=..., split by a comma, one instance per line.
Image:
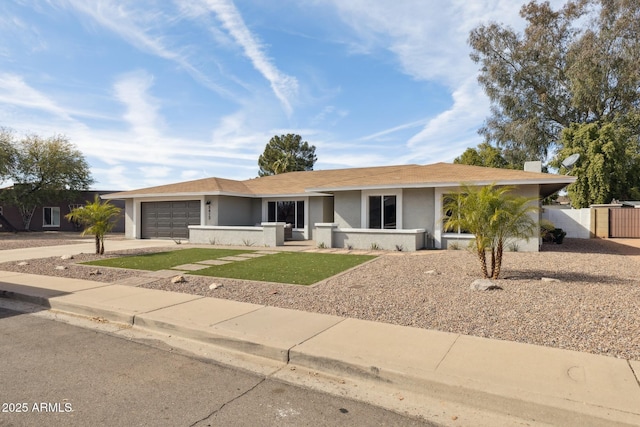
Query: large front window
x=291, y=212
x=51, y=217
x=448, y=199
x=382, y=212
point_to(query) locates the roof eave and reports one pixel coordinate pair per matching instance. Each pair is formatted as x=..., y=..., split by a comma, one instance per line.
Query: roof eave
x=123, y=196
x=565, y=180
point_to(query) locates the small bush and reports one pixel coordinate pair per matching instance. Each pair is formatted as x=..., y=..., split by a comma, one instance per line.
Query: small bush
x=454, y=246
x=546, y=230
x=399, y=248
x=558, y=235
x=514, y=247
x=375, y=246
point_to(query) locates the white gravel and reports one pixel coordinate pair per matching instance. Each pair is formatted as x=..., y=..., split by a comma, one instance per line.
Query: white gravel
x=595, y=306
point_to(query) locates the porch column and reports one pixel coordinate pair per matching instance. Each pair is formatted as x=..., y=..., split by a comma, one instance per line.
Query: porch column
x=273, y=233
x=324, y=234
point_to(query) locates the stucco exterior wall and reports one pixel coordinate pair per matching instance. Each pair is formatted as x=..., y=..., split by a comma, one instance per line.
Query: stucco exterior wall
x=256, y=211
x=389, y=240
x=533, y=245
x=320, y=211
x=235, y=211
x=210, y=207
x=418, y=208
x=347, y=207
x=129, y=220
x=268, y=234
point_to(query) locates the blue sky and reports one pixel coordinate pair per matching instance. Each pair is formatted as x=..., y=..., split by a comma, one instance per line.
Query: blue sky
x=154, y=92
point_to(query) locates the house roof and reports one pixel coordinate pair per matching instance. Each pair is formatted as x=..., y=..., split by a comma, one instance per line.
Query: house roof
x=333, y=180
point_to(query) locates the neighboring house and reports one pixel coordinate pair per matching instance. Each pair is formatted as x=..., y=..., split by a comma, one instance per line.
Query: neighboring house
x=51, y=216
x=389, y=207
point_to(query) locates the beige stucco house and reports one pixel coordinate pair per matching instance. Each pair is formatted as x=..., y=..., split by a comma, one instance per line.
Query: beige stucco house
x=389, y=207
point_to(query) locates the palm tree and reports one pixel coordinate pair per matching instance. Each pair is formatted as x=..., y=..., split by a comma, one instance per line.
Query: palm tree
x=494, y=216
x=98, y=219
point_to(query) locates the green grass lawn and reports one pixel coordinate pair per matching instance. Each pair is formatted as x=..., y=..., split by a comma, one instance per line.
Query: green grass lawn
x=166, y=260
x=285, y=267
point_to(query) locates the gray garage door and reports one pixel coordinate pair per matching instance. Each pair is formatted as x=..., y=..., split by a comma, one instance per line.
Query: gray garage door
x=169, y=220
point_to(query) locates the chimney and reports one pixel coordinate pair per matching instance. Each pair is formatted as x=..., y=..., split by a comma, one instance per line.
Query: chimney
x=533, y=166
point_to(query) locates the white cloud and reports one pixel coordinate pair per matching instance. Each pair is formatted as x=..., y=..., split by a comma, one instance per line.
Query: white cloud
x=143, y=28
x=15, y=91
x=429, y=40
x=284, y=87
x=142, y=109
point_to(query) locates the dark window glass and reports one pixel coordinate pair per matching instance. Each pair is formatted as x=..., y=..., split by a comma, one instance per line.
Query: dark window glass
x=286, y=212
x=375, y=211
x=299, y=214
x=271, y=212
x=389, y=212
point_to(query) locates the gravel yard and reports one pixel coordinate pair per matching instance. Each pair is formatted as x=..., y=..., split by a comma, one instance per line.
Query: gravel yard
x=594, y=307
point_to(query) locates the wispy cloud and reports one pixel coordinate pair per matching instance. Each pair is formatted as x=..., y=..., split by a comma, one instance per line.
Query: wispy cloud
x=15, y=91
x=143, y=28
x=429, y=41
x=285, y=87
x=142, y=109
x=394, y=129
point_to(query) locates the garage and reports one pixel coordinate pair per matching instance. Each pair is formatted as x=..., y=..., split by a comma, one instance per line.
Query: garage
x=169, y=220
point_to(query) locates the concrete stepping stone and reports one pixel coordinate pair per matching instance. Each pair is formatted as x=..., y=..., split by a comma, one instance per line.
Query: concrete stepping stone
x=214, y=262
x=233, y=258
x=190, y=267
x=268, y=252
x=256, y=255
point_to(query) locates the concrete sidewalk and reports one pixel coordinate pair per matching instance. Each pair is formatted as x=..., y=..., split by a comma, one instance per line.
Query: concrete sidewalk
x=78, y=248
x=534, y=383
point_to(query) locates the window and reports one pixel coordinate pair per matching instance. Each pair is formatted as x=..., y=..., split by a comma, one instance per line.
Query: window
x=51, y=217
x=446, y=199
x=291, y=212
x=382, y=212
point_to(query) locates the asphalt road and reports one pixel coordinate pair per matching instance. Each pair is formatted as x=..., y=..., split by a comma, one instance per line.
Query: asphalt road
x=56, y=374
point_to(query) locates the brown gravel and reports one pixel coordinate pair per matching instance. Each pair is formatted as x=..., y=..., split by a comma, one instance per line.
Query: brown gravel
x=595, y=306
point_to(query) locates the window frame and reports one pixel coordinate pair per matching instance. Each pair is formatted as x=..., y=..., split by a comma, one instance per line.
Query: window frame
x=460, y=232
x=366, y=205
x=297, y=215
x=52, y=210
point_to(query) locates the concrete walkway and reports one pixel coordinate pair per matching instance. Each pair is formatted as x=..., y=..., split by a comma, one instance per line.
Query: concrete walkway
x=78, y=248
x=535, y=383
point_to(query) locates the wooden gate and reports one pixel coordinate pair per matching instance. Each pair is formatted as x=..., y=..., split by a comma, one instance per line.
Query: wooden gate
x=624, y=222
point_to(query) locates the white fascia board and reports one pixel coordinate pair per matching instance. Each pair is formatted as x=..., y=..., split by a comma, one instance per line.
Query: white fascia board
x=563, y=180
x=292, y=195
x=185, y=194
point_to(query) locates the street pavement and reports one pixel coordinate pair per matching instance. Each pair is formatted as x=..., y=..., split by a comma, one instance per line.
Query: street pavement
x=57, y=374
x=449, y=378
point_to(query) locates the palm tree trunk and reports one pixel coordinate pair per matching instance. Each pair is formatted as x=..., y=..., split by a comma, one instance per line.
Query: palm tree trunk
x=493, y=261
x=102, y=245
x=482, y=256
x=97, y=244
x=498, y=267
